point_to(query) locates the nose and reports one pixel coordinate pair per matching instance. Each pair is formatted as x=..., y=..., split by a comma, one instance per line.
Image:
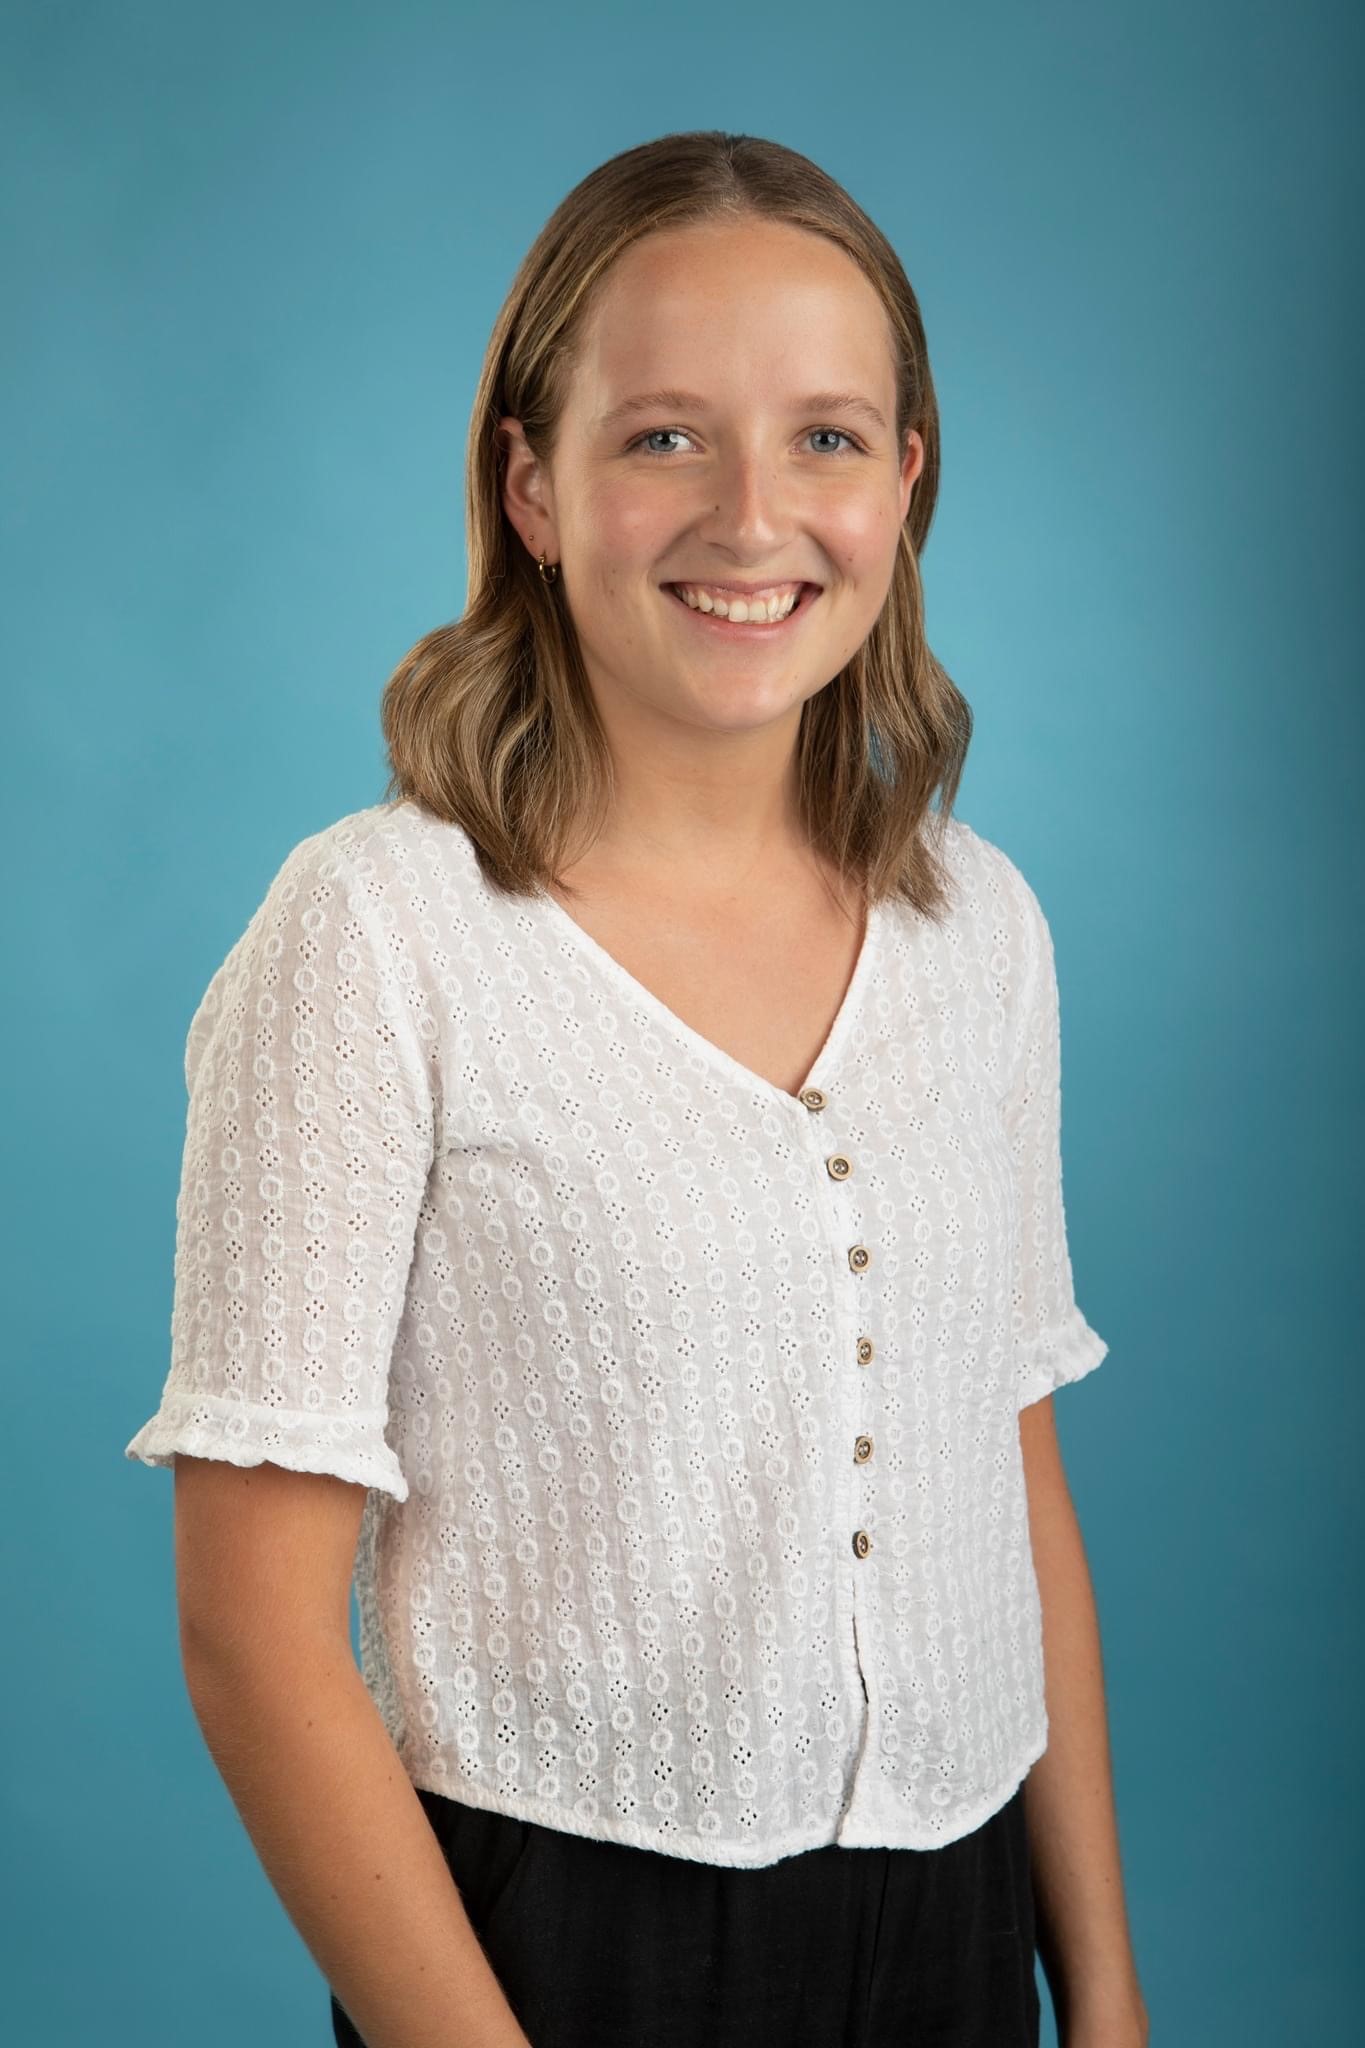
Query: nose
x=748, y=499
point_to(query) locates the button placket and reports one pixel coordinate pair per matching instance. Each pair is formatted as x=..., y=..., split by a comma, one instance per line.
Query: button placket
x=860, y=1258
x=839, y=1167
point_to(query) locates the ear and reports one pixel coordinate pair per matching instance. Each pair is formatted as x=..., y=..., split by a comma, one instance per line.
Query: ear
x=910, y=468
x=527, y=497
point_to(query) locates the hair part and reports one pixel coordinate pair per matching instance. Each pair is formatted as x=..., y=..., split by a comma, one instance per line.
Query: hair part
x=489, y=722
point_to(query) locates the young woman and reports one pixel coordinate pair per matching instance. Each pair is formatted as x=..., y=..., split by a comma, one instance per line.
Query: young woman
x=622, y=1220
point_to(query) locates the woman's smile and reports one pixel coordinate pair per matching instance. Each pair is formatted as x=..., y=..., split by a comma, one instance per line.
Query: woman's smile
x=710, y=606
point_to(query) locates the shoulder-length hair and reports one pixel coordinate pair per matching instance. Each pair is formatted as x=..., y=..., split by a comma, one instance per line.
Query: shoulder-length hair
x=489, y=722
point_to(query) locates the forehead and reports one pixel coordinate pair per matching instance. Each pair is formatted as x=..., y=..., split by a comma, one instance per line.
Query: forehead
x=741, y=304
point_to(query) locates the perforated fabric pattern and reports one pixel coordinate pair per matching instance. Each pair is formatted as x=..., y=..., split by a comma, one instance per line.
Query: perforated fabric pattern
x=687, y=1407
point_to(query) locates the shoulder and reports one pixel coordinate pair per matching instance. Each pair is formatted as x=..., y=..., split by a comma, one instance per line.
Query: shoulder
x=992, y=886
x=376, y=839
x=381, y=863
x=340, y=923
x=347, y=876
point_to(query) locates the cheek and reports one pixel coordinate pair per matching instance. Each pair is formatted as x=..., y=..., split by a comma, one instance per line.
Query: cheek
x=861, y=535
x=622, y=525
x=616, y=536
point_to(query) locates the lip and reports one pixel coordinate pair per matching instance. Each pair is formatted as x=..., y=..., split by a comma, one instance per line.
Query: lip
x=736, y=630
x=740, y=589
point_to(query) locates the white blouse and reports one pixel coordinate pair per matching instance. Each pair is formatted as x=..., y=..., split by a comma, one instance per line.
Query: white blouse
x=687, y=1406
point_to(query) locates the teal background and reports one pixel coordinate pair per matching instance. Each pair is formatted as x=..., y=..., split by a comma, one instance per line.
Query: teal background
x=252, y=258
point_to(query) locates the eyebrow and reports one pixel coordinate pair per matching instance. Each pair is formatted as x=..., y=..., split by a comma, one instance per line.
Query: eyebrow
x=688, y=401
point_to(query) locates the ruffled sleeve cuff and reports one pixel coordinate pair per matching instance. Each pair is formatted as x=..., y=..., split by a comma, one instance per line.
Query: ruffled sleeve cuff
x=250, y=1433
x=1051, y=1360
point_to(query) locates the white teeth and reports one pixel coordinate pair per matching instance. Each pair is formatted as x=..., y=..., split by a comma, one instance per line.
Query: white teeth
x=740, y=610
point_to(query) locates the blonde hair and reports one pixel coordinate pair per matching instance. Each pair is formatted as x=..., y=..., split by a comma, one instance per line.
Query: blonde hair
x=489, y=722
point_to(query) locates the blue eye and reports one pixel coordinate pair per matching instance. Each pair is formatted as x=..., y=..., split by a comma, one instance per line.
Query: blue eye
x=656, y=433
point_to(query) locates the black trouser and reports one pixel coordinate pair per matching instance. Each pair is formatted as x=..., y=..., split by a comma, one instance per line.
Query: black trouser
x=599, y=1945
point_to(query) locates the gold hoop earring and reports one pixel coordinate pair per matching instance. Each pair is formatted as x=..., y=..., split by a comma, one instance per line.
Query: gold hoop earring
x=551, y=574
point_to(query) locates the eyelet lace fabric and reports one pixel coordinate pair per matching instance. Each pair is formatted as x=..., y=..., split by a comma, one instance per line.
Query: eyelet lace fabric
x=687, y=1407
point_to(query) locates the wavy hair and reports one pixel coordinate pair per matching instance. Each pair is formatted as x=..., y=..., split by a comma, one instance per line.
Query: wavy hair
x=489, y=721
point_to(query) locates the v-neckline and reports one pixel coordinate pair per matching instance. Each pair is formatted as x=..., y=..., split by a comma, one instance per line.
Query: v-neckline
x=688, y=1035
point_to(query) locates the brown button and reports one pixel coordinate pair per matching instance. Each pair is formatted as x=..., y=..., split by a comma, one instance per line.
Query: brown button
x=837, y=1167
x=814, y=1098
x=864, y=1351
x=859, y=1257
x=862, y=1543
x=862, y=1450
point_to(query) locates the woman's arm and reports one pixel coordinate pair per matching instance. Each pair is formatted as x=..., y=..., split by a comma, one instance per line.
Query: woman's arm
x=263, y=1563
x=1083, y=1935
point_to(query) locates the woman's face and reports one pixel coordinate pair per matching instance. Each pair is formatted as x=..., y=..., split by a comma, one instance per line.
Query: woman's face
x=749, y=470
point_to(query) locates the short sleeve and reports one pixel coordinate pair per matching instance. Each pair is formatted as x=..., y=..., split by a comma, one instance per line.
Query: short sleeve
x=1053, y=1343
x=308, y=1144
